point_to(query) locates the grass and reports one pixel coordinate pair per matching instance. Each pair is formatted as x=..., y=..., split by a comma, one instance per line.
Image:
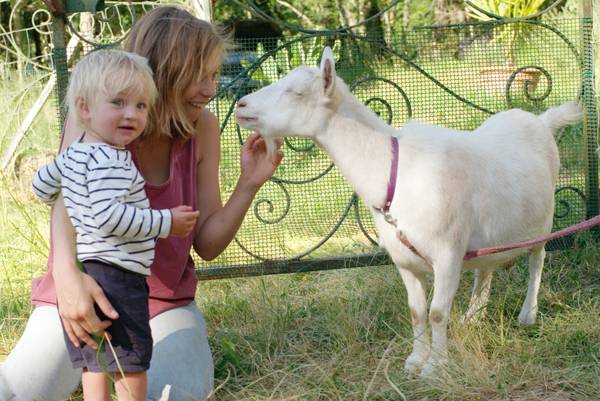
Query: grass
x=19, y=95
x=344, y=336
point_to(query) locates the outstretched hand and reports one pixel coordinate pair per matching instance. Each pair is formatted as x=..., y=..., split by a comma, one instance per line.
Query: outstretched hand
x=256, y=165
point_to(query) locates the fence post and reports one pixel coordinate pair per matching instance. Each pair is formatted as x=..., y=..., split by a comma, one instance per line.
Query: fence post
x=59, y=58
x=203, y=9
x=590, y=112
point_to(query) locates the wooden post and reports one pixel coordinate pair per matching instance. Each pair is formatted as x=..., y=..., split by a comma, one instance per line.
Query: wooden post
x=596, y=38
x=59, y=57
x=203, y=9
x=86, y=25
x=590, y=111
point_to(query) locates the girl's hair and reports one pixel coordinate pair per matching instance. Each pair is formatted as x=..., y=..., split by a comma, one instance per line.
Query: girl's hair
x=178, y=46
x=109, y=72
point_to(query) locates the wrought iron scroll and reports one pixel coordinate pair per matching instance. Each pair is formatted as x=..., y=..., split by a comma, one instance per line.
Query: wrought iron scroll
x=564, y=206
x=527, y=84
x=39, y=22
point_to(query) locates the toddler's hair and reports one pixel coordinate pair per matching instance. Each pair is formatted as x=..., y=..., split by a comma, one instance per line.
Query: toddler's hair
x=109, y=72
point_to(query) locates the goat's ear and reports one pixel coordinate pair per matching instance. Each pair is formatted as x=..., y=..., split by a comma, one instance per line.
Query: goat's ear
x=328, y=71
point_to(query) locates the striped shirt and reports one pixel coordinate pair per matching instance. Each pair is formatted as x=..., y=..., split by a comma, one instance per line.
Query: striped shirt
x=104, y=196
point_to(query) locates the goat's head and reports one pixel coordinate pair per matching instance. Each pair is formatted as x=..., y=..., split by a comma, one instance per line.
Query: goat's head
x=300, y=104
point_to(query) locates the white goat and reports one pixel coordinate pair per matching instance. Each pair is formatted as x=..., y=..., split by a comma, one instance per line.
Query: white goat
x=455, y=190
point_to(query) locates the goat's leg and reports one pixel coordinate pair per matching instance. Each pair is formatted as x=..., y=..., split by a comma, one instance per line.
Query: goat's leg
x=415, y=284
x=530, y=306
x=480, y=295
x=446, y=276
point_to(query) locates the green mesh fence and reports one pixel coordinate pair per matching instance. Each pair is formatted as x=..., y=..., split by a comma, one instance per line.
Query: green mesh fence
x=307, y=217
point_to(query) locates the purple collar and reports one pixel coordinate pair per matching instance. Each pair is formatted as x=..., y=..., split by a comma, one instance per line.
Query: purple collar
x=391, y=187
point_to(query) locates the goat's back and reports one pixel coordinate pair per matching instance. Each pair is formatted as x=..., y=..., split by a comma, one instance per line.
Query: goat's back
x=489, y=186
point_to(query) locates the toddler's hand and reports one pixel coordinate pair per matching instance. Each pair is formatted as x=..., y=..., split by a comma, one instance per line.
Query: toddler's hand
x=184, y=220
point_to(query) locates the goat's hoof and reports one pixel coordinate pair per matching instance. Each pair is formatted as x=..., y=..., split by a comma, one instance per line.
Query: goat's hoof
x=527, y=318
x=414, y=363
x=431, y=366
x=428, y=370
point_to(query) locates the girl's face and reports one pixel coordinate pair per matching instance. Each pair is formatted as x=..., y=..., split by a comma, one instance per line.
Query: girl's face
x=199, y=93
x=115, y=119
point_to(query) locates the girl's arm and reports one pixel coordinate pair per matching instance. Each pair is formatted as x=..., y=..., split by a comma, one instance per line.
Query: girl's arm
x=218, y=224
x=76, y=292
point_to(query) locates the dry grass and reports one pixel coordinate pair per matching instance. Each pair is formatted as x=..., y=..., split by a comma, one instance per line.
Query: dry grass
x=344, y=336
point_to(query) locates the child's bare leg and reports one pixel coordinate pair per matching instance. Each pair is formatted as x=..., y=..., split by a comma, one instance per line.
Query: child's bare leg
x=95, y=386
x=131, y=386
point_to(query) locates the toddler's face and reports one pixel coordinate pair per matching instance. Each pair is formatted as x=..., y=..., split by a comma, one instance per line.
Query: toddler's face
x=117, y=119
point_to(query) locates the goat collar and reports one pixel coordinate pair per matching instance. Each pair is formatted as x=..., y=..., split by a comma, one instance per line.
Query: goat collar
x=391, y=187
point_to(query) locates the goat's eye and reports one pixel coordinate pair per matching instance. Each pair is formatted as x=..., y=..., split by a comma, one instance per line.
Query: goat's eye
x=294, y=92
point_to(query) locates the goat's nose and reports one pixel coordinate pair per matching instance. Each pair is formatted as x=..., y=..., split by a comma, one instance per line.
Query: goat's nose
x=241, y=103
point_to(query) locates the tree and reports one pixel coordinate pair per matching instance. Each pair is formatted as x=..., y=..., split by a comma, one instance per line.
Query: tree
x=374, y=27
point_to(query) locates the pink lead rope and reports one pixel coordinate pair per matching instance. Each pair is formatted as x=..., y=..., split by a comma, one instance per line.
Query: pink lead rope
x=594, y=221
x=391, y=189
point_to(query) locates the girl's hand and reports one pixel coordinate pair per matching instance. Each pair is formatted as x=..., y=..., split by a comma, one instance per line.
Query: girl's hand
x=76, y=294
x=256, y=166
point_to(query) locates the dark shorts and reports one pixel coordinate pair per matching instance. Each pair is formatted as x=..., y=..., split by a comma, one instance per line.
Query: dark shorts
x=131, y=337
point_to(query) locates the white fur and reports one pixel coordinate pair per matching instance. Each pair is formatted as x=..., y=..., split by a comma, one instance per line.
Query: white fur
x=455, y=191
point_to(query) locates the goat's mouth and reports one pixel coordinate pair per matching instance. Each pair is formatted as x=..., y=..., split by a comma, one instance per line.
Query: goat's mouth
x=245, y=121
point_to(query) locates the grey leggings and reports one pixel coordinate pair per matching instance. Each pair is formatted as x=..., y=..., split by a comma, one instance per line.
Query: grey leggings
x=38, y=368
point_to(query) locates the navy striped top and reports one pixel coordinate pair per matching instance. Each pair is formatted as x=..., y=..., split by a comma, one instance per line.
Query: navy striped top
x=104, y=196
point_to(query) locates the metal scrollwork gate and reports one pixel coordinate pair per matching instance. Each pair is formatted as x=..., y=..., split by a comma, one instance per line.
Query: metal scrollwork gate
x=307, y=217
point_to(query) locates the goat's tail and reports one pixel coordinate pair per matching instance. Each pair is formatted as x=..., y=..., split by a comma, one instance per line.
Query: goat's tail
x=563, y=115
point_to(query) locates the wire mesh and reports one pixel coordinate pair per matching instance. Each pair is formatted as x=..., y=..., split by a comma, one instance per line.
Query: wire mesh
x=307, y=217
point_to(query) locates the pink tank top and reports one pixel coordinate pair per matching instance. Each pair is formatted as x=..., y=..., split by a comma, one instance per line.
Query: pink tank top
x=173, y=279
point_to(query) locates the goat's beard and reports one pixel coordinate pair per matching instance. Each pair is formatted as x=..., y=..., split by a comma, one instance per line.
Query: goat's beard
x=271, y=143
